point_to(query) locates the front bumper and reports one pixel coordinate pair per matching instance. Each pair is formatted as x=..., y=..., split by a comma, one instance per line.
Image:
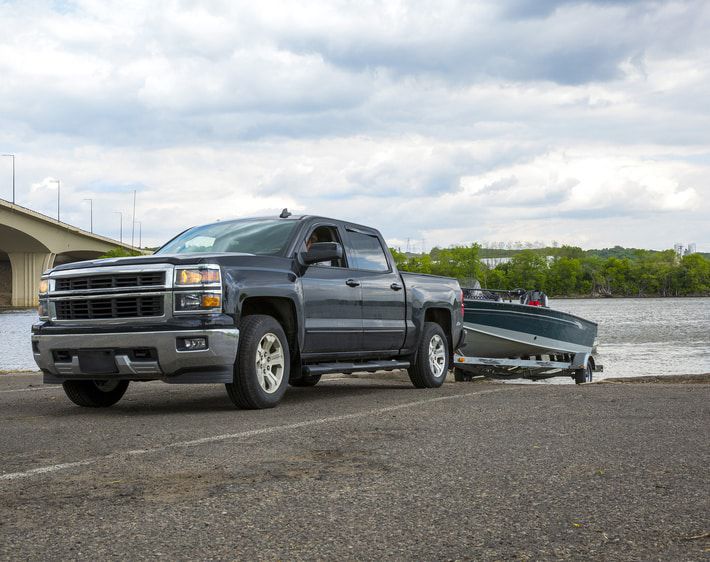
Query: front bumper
x=57, y=355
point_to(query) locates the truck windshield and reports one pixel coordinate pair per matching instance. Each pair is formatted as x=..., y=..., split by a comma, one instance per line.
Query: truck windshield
x=248, y=236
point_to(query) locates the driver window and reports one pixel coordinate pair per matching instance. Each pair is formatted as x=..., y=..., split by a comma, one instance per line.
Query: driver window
x=325, y=234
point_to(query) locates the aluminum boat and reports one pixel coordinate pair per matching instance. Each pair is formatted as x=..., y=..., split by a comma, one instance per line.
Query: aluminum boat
x=498, y=327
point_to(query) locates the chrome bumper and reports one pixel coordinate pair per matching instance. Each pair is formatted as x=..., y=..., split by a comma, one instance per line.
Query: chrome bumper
x=218, y=357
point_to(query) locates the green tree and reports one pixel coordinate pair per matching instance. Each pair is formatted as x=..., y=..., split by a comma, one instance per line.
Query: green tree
x=616, y=275
x=119, y=252
x=527, y=270
x=461, y=262
x=693, y=275
x=494, y=278
x=400, y=259
x=564, y=277
x=568, y=252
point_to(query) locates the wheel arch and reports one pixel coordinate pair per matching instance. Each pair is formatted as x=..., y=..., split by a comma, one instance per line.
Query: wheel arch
x=283, y=309
x=442, y=317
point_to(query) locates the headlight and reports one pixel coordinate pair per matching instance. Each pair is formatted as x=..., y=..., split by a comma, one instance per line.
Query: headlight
x=206, y=292
x=198, y=301
x=43, y=286
x=206, y=275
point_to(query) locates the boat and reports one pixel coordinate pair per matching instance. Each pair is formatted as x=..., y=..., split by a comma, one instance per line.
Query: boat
x=516, y=333
x=496, y=325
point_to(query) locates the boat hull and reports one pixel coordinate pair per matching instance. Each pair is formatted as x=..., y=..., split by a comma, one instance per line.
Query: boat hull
x=502, y=329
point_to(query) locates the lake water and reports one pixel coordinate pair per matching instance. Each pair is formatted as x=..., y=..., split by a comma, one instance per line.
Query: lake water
x=636, y=336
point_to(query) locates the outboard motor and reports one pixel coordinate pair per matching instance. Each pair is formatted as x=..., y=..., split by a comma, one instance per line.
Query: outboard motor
x=534, y=298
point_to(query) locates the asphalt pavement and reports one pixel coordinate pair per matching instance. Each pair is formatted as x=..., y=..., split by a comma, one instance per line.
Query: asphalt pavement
x=358, y=469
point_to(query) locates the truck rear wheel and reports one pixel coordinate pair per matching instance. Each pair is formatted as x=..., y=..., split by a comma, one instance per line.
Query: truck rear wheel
x=95, y=393
x=432, y=364
x=263, y=364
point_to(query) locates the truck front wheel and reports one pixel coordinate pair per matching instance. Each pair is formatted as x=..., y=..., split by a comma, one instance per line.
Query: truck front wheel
x=432, y=364
x=94, y=393
x=262, y=368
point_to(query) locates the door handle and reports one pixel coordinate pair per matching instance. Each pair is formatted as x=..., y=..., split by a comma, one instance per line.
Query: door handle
x=352, y=283
x=396, y=287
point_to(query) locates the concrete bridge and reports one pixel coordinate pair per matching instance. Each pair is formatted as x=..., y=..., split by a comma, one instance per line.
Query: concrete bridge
x=31, y=243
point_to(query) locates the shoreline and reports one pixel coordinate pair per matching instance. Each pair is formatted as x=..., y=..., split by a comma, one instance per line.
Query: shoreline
x=612, y=297
x=699, y=378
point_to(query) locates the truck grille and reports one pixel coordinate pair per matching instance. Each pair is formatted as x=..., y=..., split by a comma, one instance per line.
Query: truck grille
x=115, y=281
x=114, y=307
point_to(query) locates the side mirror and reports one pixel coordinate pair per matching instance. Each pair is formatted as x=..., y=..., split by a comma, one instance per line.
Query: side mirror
x=322, y=251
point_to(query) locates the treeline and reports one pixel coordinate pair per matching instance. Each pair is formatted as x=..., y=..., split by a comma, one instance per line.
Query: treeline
x=569, y=270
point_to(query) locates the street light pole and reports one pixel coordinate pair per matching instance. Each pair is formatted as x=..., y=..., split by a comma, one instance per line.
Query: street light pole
x=140, y=233
x=91, y=203
x=133, y=224
x=121, y=231
x=59, y=190
x=13, y=176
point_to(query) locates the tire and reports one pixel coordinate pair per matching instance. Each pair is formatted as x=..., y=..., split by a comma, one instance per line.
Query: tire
x=262, y=368
x=432, y=364
x=95, y=393
x=583, y=375
x=306, y=380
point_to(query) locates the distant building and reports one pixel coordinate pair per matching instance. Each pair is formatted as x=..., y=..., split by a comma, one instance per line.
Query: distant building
x=683, y=250
x=491, y=263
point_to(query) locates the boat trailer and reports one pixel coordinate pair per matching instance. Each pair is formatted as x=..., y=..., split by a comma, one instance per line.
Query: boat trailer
x=579, y=366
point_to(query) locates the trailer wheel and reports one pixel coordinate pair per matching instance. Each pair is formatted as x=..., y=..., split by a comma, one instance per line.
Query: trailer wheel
x=95, y=393
x=432, y=364
x=583, y=375
x=263, y=364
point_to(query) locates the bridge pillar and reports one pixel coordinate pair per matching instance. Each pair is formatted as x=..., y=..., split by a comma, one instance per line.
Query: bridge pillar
x=27, y=268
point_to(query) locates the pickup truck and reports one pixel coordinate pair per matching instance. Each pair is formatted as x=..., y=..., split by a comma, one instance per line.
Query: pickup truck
x=256, y=304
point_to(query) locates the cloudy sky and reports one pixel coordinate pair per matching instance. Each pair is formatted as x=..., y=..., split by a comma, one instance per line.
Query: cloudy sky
x=587, y=123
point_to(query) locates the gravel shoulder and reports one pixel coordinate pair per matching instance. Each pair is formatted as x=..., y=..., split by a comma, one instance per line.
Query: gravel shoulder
x=358, y=468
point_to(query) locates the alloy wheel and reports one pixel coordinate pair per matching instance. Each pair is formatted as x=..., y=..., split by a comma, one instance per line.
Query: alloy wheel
x=437, y=356
x=269, y=363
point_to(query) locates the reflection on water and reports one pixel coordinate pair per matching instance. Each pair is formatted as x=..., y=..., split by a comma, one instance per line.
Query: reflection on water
x=636, y=336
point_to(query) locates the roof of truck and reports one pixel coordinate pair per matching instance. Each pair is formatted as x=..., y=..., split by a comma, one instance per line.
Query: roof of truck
x=297, y=218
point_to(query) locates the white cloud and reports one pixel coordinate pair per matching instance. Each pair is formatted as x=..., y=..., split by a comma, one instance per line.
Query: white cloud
x=584, y=122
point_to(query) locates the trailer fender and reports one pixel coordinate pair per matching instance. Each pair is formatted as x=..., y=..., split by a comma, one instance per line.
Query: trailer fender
x=580, y=360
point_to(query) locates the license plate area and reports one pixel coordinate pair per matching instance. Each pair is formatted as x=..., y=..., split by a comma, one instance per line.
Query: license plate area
x=97, y=361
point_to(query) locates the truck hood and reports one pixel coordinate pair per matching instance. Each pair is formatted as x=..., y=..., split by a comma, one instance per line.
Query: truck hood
x=230, y=258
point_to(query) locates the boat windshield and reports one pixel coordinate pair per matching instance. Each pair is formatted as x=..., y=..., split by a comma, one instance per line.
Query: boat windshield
x=264, y=237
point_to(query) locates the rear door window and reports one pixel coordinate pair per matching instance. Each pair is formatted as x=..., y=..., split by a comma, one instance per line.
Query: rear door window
x=369, y=254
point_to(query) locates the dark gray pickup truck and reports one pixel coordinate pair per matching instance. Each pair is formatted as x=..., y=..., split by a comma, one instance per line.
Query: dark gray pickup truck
x=256, y=304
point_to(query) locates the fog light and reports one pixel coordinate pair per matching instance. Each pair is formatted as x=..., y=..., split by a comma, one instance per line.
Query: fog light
x=43, y=310
x=191, y=344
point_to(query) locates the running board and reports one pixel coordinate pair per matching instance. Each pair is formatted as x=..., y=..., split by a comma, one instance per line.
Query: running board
x=367, y=366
